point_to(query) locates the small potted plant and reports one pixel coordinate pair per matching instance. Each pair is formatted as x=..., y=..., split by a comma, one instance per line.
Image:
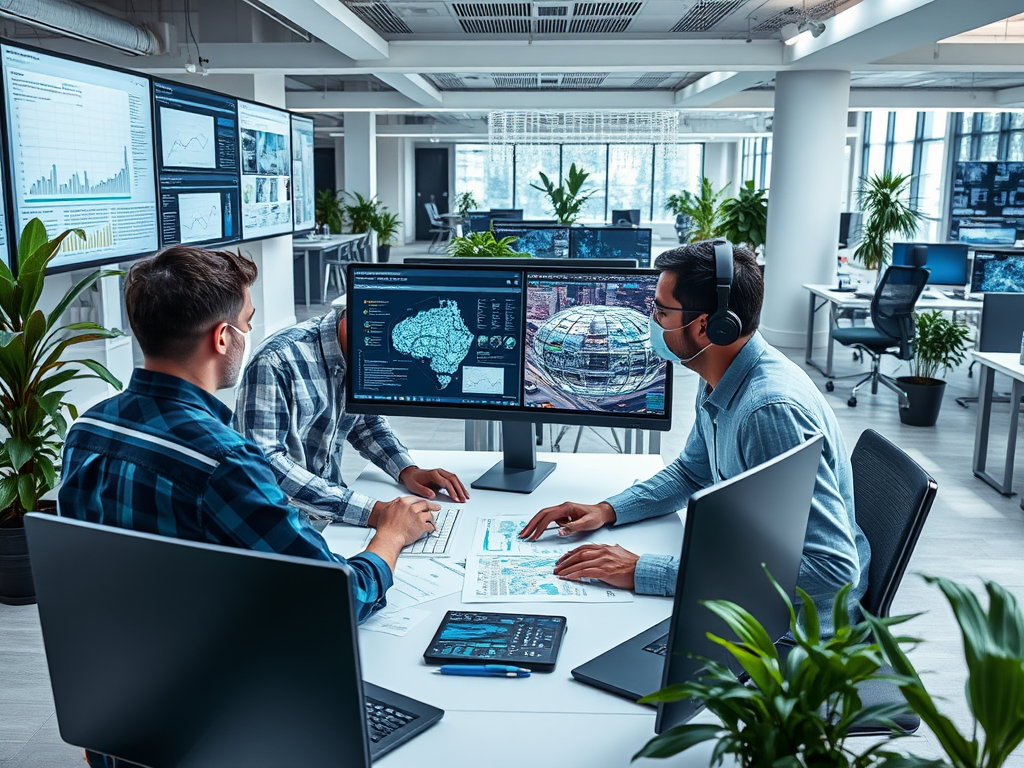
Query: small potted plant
x=884, y=199
x=34, y=373
x=938, y=343
x=465, y=202
x=386, y=225
x=568, y=198
x=482, y=245
x=362, y=212
x=745, y=218
x=703, y=212
x=329, y=211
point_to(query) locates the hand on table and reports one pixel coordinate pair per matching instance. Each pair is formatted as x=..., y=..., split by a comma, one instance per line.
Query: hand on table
x=570, y=518
x=609, y=563
x=426, y=483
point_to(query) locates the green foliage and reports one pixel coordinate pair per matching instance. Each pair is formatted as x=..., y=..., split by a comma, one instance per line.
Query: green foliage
x=329, y=211
x=482, y=245
x=362, y=212
x=704, y=210
x=465, y=202
x=795, y=713
x=938, y=343
x=883, y=199
x=386, y=225
x=568, y=197
x=745, y=218
x=32, y=372
x=994, y=647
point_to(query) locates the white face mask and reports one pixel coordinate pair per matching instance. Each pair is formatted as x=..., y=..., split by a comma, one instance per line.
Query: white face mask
x=246, y=349
x=660, y=346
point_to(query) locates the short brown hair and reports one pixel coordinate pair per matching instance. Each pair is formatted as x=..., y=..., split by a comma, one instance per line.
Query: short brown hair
x=177, y=296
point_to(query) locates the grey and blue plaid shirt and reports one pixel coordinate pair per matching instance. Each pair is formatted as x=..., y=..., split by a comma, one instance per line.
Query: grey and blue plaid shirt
x=291, y=403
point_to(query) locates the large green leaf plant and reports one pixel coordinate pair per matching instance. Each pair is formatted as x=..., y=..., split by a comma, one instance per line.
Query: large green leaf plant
x=703, y=210
x=34, y=371
x=884, y=199
x=745, y=218
x=568, y=198
x=482, y=245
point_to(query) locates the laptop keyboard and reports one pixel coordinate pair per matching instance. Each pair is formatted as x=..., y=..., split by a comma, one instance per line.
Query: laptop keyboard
x=436, y=544
x=658, y=647
x=382, y=720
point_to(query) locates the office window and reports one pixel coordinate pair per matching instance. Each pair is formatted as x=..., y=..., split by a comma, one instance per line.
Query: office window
x=593, y=158
x=677, y=167
x=531, y=159
x=486, y=172
x=630, y=173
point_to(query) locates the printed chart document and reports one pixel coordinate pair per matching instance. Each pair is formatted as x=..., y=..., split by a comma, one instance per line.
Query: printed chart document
x=421, y=580
x=395, y=621
x=500, y=536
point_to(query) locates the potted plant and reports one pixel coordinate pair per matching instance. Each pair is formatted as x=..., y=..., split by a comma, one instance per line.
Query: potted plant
x=465, y=202
x=568, y=197
x=386, y=225
x=329, y=211
x=745, y=218
x=938, y=343
x=482, y=245
x=33, y=375
x=883, y=198
x=704, y=211
x=993, y=644
x=796, y=711
x=361, y=213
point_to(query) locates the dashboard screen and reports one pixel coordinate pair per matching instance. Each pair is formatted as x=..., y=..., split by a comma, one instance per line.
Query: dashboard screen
x=265, y=141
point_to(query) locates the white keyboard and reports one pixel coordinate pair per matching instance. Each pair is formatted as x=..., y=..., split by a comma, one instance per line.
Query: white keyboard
x=436, y=544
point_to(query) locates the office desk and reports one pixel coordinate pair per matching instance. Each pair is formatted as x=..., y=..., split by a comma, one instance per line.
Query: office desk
x=320, y=245
x=1007, y=363
x=547, y=719
x=839, y=301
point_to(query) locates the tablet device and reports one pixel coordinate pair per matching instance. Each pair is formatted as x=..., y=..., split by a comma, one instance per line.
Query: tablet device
x=467, y=637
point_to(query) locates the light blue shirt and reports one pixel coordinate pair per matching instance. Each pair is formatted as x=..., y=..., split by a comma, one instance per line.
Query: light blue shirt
x=763, y=406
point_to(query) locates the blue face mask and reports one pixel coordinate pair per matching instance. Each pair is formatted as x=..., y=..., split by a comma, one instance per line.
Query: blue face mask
x=660, y=347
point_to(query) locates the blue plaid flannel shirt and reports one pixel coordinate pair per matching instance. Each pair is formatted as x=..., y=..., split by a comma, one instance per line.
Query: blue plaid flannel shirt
x=291, y=404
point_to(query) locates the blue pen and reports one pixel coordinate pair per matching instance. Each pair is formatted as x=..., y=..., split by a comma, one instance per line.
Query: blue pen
x=485, y=670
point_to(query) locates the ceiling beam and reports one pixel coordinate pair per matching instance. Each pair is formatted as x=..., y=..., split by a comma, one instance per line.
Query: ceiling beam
x=716, y=86
x=958, y=57
x=335, y=24
x=1010, y=97
x=416, y=87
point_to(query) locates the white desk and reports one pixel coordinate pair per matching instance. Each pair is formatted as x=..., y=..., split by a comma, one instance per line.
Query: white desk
x=547, y=719
x=1007, y=363
x=839, y=301
x=320, y=244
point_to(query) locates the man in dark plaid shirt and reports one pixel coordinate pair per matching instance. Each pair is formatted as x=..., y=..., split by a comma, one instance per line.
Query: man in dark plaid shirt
x=291, y=403
x=161, y=458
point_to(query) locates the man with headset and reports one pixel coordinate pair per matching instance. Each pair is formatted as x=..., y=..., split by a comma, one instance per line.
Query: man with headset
x=755, y=404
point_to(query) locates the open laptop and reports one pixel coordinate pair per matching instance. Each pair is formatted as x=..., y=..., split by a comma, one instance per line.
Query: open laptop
x=759, y=516
x=179, y=654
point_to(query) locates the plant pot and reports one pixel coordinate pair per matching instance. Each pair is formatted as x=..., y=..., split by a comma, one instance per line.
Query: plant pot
x=383, y=253
x=16, y=587
x=925, y=396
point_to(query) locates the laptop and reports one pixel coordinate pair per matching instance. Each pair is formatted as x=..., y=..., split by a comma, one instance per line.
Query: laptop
x=175, y=653
x=759, y=516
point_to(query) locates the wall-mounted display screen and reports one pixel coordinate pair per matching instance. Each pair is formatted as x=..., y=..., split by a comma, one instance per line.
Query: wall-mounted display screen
x=986, y=195
x=81, y=154
x=265, y=142
x=197, y=162
x=5, y=252
x=303, y=184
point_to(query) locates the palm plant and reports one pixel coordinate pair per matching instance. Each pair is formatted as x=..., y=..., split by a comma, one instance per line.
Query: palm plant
x=703, y=210
x=482, y=245
x=33, y=373
x=386, y=225
x=329, y=211
x=745, y=218
x=568, y=198
x=362, y=212
x=883, y=199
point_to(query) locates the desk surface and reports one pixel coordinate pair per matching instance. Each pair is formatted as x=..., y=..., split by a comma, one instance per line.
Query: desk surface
x=547, y=719
x=849, y=299
x=331, y=241
x=1007, y=363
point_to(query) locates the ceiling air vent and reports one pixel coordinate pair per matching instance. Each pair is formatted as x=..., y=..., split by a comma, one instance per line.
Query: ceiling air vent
x=606, y=9
x=649, y=81
x=448, y=82
x=598, y=26
x=705, y=14
x=514, y=81
x=582, y=80
x=551, y=26
x=552, y=10
x=381, y=18
x=796, y=15
x=496, y=26
x=492, y=10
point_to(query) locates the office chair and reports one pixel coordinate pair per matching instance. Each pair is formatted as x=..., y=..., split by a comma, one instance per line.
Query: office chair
x=438, y=228
x=892, y=316
x=893, y=496
x=334, y=266
x=1000, y=330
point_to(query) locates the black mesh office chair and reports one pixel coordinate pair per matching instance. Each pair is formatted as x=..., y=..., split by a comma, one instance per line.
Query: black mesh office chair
x=893, y=496
x=892, y=330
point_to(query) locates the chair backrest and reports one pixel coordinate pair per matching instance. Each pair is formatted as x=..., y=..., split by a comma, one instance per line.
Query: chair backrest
x=432, y=214
x=1002, y=322
x=892, y=496
x=892, y=306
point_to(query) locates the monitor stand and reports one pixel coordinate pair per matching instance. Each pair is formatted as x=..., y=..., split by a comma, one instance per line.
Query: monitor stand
x=519, y=471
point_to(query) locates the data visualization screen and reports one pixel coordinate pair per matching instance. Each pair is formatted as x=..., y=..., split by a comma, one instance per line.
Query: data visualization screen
x=542, y=242
x=611, y=243
x=442, y=336
x=303, y=184
x=588, y=344
x=265, y=138
x=81, y=144
x=197, y=164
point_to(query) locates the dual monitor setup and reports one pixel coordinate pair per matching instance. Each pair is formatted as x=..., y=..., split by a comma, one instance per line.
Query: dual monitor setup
x=138, y=163
x=991, y=270
x=517, y=343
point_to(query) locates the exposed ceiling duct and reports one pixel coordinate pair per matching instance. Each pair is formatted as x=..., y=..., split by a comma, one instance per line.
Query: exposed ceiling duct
x=73, y=20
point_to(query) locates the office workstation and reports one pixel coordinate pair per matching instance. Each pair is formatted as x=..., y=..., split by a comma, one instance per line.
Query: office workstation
x=474, y=354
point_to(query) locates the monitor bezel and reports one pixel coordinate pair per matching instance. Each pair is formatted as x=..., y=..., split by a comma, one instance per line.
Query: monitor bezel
x=518, y=413
x=307, y=230
x=976, y=278
x=291, y=217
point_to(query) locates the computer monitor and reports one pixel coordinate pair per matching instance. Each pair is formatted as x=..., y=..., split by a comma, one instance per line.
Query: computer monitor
x=628, y=217
x=535, y=263
x=80, y=138
x=303, y=179
x=197, y=165
x=947, y=263
x=849, y=226
x=509, y=214
x=998, y=272
x=611, y=243
x=988, y=235
x=511, y=343
x=477, y=221
x=265, y=138
x=551, y=242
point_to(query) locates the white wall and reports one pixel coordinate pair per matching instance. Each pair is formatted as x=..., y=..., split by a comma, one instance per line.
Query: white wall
x=391, y=179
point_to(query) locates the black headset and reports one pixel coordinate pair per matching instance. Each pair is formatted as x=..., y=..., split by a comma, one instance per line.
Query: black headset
x=724, y=326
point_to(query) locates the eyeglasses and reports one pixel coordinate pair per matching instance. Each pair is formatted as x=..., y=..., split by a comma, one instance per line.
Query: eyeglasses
x=660, y=314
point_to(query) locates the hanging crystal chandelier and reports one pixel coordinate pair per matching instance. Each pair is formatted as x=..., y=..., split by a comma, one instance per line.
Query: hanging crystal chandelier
x=509, y=127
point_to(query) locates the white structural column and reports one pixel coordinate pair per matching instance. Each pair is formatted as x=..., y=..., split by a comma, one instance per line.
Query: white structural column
x=809, y=135
x=361, y=153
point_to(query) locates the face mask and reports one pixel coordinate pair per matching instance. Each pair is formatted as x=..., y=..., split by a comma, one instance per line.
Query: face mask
x=660, y=347
x=246, y=349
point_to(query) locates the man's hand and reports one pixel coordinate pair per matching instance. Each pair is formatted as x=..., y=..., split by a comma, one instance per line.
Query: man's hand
x=570, y=518
x=399, y=522
x=426, y=483
x=611, y=564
